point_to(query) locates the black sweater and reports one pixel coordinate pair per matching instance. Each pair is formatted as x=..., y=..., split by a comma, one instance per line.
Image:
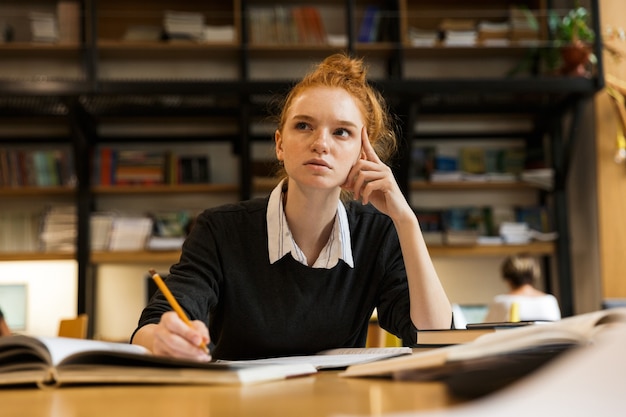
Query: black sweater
x=254, y=309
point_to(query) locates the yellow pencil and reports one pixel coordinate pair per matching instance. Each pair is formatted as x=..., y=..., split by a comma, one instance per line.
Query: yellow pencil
x=170, y=298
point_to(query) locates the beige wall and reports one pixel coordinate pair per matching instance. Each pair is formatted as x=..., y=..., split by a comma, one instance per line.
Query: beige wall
x=611, y=176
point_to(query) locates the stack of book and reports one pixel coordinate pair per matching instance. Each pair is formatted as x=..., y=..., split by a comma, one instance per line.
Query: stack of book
x=100, y=225
x=431, y=225
x=183, y=25
x=459, y=32
x=129, y=233
x=524, y=26
x=142, y=167
x=38, y=168
x=139, y=167
x=423, y=162
x=515, y=233
x=494, y=33
x=463, y=225
x=43, y=27
x=59, y=229
x=190, y=169
x=423, y=37
x=20, y=231
x=287, y=25
x=213, y=33
x=369, y=23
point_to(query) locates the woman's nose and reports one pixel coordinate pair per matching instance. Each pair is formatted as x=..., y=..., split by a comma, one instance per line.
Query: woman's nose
x=320, y=142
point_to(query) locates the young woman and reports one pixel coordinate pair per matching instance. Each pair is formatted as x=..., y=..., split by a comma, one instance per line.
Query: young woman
x=303, y=269
x=521, y=273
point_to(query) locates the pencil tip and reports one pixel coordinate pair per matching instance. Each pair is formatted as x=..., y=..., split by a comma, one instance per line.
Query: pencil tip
x=151, y=271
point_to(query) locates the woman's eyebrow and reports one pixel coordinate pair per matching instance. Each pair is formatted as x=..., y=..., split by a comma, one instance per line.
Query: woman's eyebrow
x=310, y=118
x=346, y=123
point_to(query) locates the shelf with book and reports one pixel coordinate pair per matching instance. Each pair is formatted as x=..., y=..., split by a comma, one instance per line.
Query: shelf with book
x=491, y=22
x=167, y=40
x=300, y=23
x=28, y=230
x=41, y=41
x=472, y=152
x=375, y=23
x=175, y=22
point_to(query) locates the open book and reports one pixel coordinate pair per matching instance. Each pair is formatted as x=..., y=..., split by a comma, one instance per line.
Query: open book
x=55, y=361
x=496, y=358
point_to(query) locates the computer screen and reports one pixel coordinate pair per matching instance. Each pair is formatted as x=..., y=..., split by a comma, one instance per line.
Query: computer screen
x=13, y=300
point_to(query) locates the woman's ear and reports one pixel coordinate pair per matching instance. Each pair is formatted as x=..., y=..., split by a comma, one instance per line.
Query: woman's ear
x=278, y=140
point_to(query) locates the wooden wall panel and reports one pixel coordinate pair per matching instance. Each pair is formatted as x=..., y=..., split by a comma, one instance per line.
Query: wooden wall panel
x=611, y=176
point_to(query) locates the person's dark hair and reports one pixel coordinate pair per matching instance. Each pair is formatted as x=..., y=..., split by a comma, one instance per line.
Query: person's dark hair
x=342, y=71
x=520, y=269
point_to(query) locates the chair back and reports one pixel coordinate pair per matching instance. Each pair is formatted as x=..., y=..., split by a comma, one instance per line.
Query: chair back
x=75, y=327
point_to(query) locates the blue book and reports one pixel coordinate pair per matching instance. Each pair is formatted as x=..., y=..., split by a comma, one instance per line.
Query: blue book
x=367, y=24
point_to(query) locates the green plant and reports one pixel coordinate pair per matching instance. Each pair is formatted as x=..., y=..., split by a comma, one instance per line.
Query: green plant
x=572, y=27
x=569, y=36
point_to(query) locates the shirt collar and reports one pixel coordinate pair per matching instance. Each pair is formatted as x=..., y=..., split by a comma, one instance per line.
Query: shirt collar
x=280, y=242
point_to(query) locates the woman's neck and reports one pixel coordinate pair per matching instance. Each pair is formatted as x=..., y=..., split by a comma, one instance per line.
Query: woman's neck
x=527, y=290
x=310, y=216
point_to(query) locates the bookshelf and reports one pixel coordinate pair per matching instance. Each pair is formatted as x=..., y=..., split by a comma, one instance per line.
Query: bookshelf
x=103, y=82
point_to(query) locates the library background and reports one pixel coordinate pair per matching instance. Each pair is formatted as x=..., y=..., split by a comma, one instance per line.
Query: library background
x=121, y=120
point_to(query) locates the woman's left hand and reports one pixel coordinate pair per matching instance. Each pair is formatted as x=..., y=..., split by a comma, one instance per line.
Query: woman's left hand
x=372, y=181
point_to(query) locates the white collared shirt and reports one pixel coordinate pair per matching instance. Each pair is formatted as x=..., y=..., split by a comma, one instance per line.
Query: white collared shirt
x=280, y=241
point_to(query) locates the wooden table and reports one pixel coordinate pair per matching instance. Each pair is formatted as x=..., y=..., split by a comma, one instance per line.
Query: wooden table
x=324, y=394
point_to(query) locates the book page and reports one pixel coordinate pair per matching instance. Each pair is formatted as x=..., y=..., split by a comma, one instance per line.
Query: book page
x=333, y=358
x=61, y=348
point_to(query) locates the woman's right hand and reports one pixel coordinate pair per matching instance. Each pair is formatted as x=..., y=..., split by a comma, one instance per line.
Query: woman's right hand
x=173, y=337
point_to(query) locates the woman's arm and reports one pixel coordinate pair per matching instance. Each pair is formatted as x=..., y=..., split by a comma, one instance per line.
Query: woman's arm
x=373, y=181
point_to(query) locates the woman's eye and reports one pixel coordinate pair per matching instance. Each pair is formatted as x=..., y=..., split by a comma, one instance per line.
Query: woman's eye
x=302, y=126
x=342, y=132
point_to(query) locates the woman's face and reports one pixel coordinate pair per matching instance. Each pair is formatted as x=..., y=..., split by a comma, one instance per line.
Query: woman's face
x=321, y=138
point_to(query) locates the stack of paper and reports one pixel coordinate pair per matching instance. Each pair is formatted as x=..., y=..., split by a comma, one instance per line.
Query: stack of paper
x=183, y=25
x=43, y=27
x=494, y=33
x=515, y=233
x=459, y=32
x=130, y=233
x=422, y=37
x=218, y=33
x=100, y=225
